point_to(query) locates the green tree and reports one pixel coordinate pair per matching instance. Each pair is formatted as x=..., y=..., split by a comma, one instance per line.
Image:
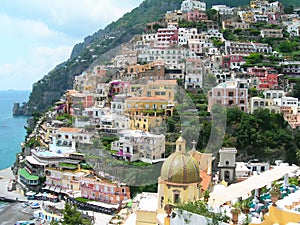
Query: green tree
x=288, y=46
x=289, y=9
x=296, y=90
x=212, y=14
x=254, y=58
x=72, y=217
x=228, y=35
x=218, y=43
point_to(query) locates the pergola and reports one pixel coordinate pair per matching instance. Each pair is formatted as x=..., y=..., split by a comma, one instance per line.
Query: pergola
x=245, y=187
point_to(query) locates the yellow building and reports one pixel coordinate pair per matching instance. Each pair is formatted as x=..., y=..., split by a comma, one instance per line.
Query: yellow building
x=146, y=123
x=137, y=68
x=146, y=212
x=180, y=178
x=65, y=178
x=279, y=216
x=160, y=88
x=152, y=106
x=179, y=182
x=248, y=17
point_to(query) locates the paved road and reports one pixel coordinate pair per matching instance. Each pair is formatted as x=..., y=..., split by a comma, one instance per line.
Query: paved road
x=6, y=176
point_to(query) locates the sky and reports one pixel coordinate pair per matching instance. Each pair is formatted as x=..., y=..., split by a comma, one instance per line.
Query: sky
x=36, y=35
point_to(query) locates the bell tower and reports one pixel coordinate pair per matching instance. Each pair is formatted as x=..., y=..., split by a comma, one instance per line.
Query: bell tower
x=227, y=164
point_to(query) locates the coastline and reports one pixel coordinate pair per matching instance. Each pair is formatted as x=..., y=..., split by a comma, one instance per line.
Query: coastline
x=10, y=212
x=13, y=212
x=6, y=175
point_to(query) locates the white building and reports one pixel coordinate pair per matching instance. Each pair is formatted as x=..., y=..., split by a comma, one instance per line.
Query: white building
x=136, y=145
x=258, y=167
x=286, y=101
x=261, y=18
x=184, y=34
x=122, y=60
x=293, y=28
x=117, y=105
x=149, y=37
x=101, y=95
x=170, y=56
x=194, y=73
x=246, y=48
x=269, y=94
x=190, y=5
x=223, y=9
x=241, y=170
x=113, y=123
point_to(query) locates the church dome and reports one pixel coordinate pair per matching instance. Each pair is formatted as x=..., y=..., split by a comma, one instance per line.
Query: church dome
x=180, y=168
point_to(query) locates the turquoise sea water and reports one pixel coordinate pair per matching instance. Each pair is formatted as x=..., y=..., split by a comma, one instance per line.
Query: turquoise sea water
x=12, y=131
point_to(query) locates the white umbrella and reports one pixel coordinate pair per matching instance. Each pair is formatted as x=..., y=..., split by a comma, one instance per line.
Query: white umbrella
x=30, y=193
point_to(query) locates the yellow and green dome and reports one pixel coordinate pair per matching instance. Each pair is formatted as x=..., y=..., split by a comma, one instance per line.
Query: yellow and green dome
x=180, y=168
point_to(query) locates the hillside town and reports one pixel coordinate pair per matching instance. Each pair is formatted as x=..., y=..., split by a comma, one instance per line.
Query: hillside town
x=116, y=124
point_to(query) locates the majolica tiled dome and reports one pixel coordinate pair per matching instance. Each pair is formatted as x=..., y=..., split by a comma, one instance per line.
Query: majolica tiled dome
x=180, y=168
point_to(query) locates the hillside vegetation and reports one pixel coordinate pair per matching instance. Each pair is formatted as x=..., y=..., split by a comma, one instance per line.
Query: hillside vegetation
x=56, y=82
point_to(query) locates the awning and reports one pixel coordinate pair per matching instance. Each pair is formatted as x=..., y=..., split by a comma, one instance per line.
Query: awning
x=30, y=193
x=47, y=187
x=243, y=188
x=57, y=189
x=52, y=188
x=23, y=172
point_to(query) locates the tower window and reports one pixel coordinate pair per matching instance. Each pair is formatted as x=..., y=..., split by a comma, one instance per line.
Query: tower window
x=176, y=198
x=226, y=175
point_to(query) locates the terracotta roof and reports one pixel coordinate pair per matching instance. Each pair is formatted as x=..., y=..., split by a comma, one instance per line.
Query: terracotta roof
x=69, y=129
x=154, y=98
x=205, y=180
x=166, y=81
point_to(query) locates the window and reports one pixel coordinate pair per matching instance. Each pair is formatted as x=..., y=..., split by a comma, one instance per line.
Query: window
x=226, y=175
x=176, y=198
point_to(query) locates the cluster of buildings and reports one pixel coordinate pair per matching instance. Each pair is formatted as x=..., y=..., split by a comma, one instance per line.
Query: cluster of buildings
x=136, y=103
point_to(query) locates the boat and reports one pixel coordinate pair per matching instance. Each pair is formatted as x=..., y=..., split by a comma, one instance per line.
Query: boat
x=35, y=205
x=22, y=222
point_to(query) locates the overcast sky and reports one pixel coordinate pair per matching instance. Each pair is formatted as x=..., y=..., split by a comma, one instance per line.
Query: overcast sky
x=36, y=35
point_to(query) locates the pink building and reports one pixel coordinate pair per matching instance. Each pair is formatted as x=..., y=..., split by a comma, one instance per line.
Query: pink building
x=196, y=15
x=166, y=37
x=79, y=101
x=268, y=77
x=104, y=191
x=118, y=87
x=229, y=94
x=232, y=61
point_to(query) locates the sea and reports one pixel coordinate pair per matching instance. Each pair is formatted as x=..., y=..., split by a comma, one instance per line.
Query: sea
x=12, y=131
